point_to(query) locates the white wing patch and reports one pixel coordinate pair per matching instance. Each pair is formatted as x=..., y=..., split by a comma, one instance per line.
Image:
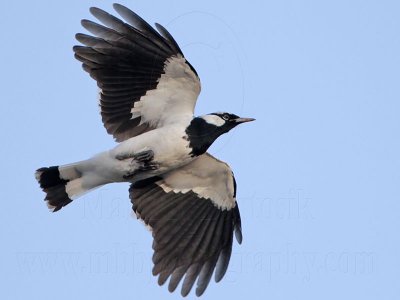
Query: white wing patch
x=175, y=95
x=135, y=111
x=206, y=176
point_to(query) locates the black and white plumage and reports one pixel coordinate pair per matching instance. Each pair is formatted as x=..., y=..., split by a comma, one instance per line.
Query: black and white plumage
x=192, y=213
x=148, y=91
x=145, y=82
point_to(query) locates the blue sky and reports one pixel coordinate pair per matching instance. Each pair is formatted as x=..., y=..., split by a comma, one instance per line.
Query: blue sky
x=318, y=172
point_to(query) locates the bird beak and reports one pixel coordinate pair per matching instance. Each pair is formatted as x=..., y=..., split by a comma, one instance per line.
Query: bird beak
x=244, y=120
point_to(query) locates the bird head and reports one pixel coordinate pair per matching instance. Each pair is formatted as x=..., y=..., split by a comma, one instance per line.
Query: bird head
x=204, y=130
x=224, y=121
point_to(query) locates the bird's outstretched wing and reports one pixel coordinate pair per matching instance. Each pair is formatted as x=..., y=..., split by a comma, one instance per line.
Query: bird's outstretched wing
x=145, y=81
x=192, y=212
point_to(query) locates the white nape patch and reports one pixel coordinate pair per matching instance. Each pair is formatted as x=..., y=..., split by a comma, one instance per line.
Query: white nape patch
x=175, y=95
x=214, y=120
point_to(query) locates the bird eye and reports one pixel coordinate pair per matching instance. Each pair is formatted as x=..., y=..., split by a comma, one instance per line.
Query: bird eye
x=225, y=117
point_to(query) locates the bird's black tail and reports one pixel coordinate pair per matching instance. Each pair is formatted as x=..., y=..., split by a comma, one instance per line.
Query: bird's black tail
x=58, y=183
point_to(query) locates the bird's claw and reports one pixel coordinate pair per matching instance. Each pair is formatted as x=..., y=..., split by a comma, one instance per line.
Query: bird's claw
x=145, y=158
x=142, y=156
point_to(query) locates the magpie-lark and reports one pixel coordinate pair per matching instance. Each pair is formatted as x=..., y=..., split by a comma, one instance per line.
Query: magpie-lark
x=148, y=91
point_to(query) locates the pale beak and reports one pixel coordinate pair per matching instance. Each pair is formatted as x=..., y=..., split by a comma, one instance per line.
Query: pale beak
x=244, y=120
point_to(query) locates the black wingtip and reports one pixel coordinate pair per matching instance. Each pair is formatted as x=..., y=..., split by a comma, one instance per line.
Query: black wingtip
x=238, y=235
x=93, y=9
x=99, y=14
x=237, y=223
x=86, y=22
x=78, y=36
x=172, y=43
x=133, y=18
x=76, y=48
x=117, y=5
x=121, y=9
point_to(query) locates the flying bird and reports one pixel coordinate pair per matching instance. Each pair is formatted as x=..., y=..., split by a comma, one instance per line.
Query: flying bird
x=148, y=92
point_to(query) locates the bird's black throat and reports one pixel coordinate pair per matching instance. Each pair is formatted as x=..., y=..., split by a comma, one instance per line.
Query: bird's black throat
x=201, y=135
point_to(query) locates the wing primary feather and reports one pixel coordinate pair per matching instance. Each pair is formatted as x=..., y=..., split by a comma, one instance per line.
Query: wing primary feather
x=212, y=247
x=147, y=31
x=237, y=224
x=192, y=237
x=208, y=252
x=91, y=41
x=144, y=205
x=156, y=211
x=108, y=19
x=196, y=251
x=181, y=214
x=140, y=208
x=170, y=262
x=205, y=276
x=225, y=253
x=190, y=278
x=180, y=245
x=183, y=255
x=114, y=108
x=223, y=261
x=151, y=218
x=87, y=65
x=176, y=277
x=100, y=30
x=128, y=31
x=212, y=241
x=168, y=239
x=160, y=211
x=111, y=36
x=174, y=217
x=166, y=236
x=173, y=44
x=163, y=276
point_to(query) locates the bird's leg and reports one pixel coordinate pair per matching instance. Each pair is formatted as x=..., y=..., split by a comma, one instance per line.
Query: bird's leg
x=143, y=156
x=123, y=156
x=145, y=160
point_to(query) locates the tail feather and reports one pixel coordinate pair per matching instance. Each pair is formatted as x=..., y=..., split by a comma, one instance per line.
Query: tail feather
x=61, y=185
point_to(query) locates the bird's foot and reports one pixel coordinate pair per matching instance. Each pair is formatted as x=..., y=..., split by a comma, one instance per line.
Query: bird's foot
x=146, y=163
x=142, y=156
